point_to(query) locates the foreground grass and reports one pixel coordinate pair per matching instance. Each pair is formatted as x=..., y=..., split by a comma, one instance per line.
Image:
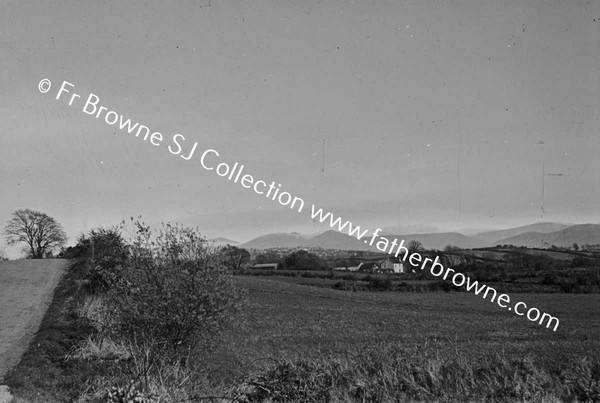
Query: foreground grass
x=389, y=373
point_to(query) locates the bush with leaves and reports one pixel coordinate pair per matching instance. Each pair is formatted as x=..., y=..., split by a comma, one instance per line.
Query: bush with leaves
x=380, y=284
x=175, y=295
x=107, y=252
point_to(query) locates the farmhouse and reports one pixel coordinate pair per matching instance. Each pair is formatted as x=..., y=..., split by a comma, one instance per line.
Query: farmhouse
x=267, y=266
x=390, y=265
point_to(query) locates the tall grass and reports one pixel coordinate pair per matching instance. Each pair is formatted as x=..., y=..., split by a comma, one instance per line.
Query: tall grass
x=390, y=373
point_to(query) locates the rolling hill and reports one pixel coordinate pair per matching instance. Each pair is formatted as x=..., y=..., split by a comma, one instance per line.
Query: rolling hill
x=580, y=234
x=493, y=237
x=443, y=239
x=338, y=240
x=283, y=240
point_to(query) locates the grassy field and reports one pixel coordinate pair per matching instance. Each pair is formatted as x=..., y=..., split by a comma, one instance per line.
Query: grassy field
x=284, y=319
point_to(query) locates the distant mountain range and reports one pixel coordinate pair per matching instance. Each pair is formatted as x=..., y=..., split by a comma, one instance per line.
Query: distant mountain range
x=580, y=234
x=537, y=235
x=338, y=240
x=542, y=228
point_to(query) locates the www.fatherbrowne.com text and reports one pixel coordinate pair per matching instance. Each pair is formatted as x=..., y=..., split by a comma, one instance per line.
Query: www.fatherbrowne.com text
x=397, y=249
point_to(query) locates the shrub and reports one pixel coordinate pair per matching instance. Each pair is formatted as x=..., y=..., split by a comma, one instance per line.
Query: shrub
x=174, y=294
x=346, y=286
x=107, y=251
x=584, y=280
x=580, y=261
x=442, y=286
x=569, y=287
x=379, y=284
x=550, y=279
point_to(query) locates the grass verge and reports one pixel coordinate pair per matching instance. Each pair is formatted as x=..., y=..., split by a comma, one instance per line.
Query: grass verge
x=44, y=374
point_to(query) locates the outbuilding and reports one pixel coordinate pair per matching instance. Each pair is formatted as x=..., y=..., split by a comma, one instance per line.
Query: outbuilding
x=267, y=266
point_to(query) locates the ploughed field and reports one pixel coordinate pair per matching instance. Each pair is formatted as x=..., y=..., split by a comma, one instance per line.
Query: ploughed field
x=284, y=319
x=26, y=288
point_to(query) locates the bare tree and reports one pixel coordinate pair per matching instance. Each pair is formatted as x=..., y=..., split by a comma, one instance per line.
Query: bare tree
x=40, y=232
x=235, y=258
x=415, y=246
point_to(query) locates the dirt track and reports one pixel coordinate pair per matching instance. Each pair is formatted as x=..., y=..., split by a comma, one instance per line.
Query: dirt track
x=26, y=289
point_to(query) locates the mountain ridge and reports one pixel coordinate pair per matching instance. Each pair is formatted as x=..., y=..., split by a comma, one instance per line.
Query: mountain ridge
x=541, y=227
x=331, y=239
x=579, y=233
x=546, y=235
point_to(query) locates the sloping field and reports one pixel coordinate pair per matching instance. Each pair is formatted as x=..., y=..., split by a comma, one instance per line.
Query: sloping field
x=26, y=288
x=285, y=317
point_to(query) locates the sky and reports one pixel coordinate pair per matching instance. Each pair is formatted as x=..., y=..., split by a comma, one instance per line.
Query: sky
x=408, y=115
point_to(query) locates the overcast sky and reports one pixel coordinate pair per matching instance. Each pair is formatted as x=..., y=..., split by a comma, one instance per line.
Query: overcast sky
x=435, y=114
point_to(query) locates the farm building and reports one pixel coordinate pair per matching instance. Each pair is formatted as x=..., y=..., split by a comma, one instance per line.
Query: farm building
x=267, y=266
x=390, y=265
x=367, y=267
